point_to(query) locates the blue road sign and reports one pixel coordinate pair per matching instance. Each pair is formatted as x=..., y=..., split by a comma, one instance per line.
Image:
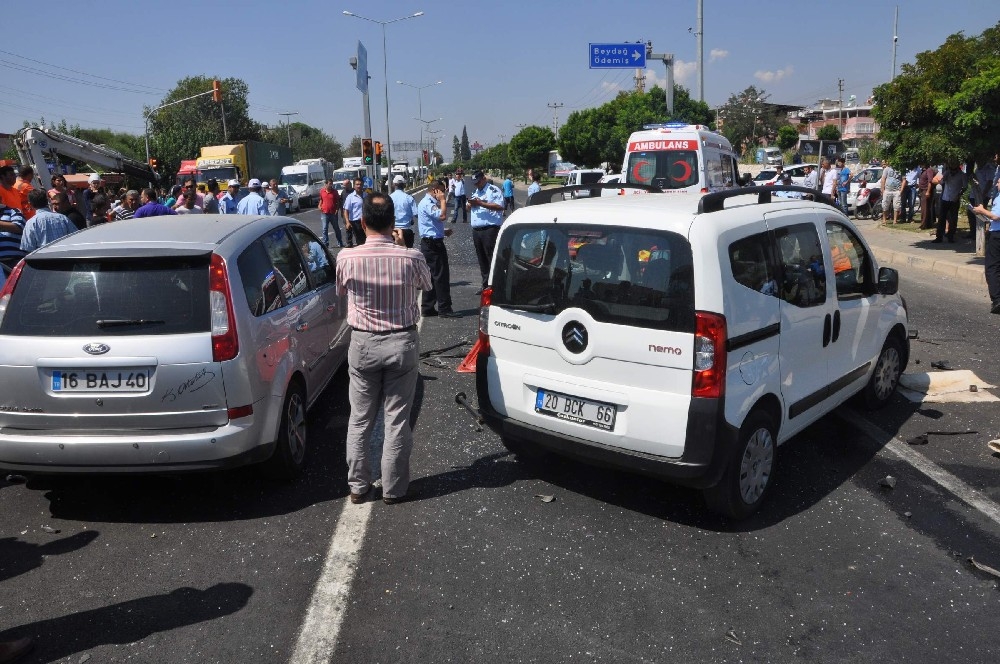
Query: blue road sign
x=367, y=183
x=617, y=56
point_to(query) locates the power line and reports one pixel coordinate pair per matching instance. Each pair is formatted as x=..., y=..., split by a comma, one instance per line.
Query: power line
x=69, y=79
x=555, y=106
x=57, y=102
x=99, y=123
x=62, y=68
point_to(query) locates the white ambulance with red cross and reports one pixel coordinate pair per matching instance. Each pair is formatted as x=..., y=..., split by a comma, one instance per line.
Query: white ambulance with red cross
x=680, y=158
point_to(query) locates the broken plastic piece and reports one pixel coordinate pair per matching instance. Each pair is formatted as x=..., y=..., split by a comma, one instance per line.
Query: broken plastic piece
x=50, y=530
x=943, y=365
x=544, y=498
x=994, y=445
x=984, y=568
x=733, y=638
x=918, y=440
x=16, y=479
x=888, y=482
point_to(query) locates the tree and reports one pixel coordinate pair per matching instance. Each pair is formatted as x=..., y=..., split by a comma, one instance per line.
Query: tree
x=828, y=133
x=466, y=152
x=354, y=147
x=530, y=147
x=945, y=107
x=307, y=142
x=179, y=131
x=456, y=148
x=746, y=118
x=788, y=136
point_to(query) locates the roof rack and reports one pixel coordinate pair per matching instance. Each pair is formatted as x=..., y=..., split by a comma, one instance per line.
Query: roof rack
x=715, y=201
x=546, y=195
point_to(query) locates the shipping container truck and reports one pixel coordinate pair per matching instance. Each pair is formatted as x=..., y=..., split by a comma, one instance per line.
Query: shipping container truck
x=242, y=161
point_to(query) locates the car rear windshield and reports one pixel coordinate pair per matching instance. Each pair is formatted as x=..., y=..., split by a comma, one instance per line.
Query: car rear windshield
x=618, y=275
x=104, y=297
x=666, y=169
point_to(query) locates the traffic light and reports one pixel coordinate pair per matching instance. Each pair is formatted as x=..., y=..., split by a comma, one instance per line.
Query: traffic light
x=426, y=158
x=154, y=163
x=216, y=91
x=367, y=153
x=378, y=152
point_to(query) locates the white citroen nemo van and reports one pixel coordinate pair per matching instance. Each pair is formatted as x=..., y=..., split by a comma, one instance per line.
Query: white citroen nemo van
x=680, y=158
x=683, y=337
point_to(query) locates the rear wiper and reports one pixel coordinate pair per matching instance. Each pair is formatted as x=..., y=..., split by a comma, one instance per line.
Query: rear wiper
x=121, y=322
x=531, y=308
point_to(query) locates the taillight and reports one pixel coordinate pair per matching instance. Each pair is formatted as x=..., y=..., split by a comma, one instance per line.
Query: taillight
x=225, y=344
x=8, y=289
x=704, y=190
x=709, y=356
x=484, y=320
x=239, y=411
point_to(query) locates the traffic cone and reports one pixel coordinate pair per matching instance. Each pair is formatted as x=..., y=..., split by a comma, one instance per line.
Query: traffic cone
x=468, y=365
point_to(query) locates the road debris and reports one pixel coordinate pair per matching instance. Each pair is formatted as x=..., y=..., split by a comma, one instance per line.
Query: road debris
x=994, y=446
x=943, y=365
x=907, y=514
x=16, y=479
x=984, y=568
x=889, y=482
x=952, y=386
x=918, y=440
x=733, y=638
x=50, y=530
x=544, y=498
x=461, y=399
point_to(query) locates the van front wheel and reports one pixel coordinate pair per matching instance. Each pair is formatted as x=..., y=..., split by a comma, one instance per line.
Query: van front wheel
x=749, y=471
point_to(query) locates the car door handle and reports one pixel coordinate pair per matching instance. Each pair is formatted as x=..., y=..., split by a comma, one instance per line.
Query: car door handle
x=826, y=331
x=836, y=325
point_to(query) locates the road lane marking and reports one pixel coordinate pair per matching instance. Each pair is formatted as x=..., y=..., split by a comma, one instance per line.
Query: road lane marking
x=325, y=615
x=318, y=636
x=939, y=475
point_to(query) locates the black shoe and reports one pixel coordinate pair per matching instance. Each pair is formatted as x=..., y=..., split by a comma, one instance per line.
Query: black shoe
x=449, y=314
x=393, y=501
x=951, y=240
x=429, y=313
x=358, y=498
x=996, y=308
x=937, y=240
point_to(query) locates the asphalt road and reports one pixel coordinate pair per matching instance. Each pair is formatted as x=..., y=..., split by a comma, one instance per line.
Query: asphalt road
x=222, y=567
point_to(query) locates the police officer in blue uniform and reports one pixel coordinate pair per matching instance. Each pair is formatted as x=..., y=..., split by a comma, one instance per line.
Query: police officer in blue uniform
x=486, y=206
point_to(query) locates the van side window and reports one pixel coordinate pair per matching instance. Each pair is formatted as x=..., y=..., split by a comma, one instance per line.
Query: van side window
x=287, y=263
x=317, y=258
x=261, y=285
x=753, y=264
x=713, y=167
x=803, y=273
x=852, y=266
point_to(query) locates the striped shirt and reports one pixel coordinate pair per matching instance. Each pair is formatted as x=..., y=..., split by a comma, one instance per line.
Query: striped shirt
x=10, y=241
x=381, y=280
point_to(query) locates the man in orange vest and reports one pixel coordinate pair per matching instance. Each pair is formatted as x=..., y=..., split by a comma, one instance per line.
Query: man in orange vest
x=22, y=185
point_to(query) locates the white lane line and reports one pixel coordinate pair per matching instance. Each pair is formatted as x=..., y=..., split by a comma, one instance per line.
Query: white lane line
x=942, y=477
x=318, y=636
x=325, y=615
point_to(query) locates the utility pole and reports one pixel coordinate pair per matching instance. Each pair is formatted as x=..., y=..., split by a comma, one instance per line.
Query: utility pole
x=555, y=106
x=668, y=62
x=840, y=109
x=640, y=80
x=895, y=40
x=288, y=125
x=699, y=30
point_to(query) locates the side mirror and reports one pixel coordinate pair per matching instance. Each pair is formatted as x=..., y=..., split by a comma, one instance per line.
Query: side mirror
x=888, y=281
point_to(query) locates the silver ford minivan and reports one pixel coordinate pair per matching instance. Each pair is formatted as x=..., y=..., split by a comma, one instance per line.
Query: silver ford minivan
x=168, y=344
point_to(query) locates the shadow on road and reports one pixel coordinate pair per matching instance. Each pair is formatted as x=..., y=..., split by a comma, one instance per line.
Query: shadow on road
x=17, y=557
x=131, y=621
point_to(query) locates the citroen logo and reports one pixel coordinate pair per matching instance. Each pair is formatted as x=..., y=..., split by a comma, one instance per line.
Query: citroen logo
x=96, y=349
x=574, y=336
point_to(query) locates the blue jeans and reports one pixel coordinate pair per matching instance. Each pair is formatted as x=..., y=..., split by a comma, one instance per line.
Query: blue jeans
x=460, y=205
x=328, y=220
x=842, y=199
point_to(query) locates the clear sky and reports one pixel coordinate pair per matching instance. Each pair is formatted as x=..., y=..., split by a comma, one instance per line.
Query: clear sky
x=501, y=64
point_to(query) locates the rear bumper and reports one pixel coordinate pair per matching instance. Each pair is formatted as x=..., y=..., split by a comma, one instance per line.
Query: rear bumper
x=710, y=442
x=234, y=444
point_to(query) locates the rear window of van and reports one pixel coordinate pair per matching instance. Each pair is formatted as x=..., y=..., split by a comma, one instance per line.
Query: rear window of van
x=618, y=275
x=666, y=169
x=115, y=297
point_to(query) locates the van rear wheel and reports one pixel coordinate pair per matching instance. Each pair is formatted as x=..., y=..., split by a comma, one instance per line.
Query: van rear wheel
x=749, y=472
x=288, y=459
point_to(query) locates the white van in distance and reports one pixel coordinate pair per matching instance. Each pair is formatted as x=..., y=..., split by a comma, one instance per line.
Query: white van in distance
x=680, y=158
x=306, y=177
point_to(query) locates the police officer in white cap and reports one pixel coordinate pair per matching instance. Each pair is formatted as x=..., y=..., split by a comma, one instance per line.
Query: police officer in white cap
x=229, y=200
x=406, y=210
x=253, y=203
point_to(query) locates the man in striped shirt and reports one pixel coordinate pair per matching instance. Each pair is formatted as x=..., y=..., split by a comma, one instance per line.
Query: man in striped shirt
x=11, y=229
x=381, y=279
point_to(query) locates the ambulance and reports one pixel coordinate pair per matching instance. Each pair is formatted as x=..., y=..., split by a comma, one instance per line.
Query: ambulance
x=680, y=158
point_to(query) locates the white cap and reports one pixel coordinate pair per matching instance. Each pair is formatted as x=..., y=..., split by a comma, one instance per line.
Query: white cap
x=94, y=177
x=266, y=185
x=398, y=179
x=254, y=182
x=234, y=183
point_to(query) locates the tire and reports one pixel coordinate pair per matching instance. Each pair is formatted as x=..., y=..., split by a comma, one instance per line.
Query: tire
x=749, y=472
x=877, y=210
x=289, y=454
x=885, y=378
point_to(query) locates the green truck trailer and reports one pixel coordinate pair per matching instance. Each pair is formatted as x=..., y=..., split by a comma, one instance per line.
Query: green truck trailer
x=242, y=161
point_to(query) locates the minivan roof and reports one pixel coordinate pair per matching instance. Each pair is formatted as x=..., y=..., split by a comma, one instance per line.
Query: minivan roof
x=186, y=231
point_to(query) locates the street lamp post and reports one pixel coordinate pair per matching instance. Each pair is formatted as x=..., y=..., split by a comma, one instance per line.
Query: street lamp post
x=420, y=107
x=385, y=72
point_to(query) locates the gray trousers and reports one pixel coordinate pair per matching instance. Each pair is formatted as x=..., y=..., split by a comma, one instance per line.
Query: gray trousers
x=383, y=371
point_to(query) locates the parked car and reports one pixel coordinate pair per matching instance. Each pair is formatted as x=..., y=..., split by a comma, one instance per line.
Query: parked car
x=168, y=344
x=583, y=176
x=681, y=337
x=611, y=178
x=767, y=176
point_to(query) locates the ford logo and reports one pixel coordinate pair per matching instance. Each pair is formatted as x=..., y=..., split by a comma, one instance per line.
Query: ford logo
x=96, y=349
x=574, y=337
